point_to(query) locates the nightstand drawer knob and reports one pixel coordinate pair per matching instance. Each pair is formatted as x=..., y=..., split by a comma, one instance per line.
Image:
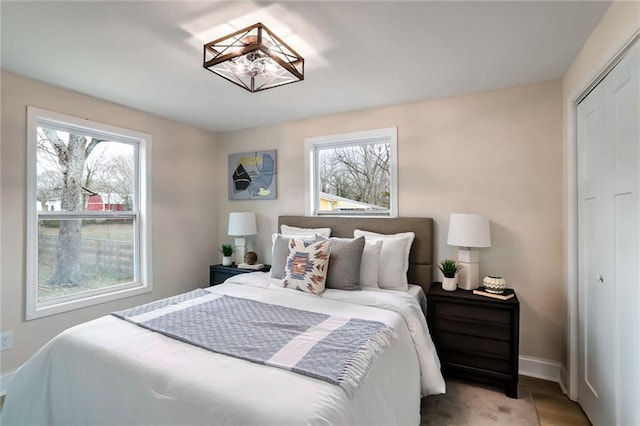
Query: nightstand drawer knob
x=600, y=278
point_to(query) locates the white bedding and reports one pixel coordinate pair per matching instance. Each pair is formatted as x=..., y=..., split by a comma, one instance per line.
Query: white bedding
x=109, y=371
x=418, y=293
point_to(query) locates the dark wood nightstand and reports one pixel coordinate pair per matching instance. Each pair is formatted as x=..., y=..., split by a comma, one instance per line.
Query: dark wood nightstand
x=477, y=337
x=218, y=273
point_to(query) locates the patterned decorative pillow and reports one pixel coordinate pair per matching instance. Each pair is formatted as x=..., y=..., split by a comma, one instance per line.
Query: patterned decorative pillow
x=280, y=252
x=306, y=267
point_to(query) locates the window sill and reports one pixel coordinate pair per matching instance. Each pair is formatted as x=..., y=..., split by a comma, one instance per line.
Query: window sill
x=45, y=309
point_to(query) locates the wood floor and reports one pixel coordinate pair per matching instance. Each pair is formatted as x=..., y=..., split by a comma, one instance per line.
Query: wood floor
x=554, y=407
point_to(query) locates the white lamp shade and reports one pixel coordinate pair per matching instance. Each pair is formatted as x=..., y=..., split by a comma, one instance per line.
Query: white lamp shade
x=469, y=230
x=242, y=223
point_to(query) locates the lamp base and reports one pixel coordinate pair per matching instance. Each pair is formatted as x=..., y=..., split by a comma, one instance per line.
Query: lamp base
x=240, y=248
x=469, y=273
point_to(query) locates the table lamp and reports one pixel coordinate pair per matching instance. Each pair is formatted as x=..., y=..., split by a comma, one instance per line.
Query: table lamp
x=468, y=232
x=241, y=224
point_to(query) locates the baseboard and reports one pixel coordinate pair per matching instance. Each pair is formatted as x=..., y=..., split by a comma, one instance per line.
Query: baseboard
x=5, y=378
x=540, y=368
x=563, y=379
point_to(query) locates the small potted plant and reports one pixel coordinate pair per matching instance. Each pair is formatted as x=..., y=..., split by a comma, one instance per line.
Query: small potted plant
x=227, y=252
x=449, y=269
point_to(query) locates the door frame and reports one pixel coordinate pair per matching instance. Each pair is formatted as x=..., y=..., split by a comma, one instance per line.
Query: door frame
x=571, y=217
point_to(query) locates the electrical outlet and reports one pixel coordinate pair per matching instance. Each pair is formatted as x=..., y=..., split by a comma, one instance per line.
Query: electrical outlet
x=6, y=340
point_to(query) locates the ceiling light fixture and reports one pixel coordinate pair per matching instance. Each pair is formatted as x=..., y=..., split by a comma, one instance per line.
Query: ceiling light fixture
x=254, y=58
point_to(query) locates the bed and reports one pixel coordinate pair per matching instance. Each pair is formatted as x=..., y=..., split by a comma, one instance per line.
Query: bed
x=113, y=371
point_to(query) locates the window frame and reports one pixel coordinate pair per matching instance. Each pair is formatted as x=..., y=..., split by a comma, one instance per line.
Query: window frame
x=141, y=214
x=313, y=144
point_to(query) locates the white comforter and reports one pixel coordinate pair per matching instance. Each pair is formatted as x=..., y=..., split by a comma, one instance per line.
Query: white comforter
x=111, y=372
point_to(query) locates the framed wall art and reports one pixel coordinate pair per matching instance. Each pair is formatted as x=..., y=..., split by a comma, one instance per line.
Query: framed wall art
x=252, y=175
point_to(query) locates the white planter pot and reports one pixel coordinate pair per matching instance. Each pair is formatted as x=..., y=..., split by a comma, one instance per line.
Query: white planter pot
x=227, y=260
x=450, y=284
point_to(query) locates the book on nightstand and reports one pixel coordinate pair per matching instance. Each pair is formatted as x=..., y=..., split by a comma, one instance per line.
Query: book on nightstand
x=254, y=266
x=482, y=292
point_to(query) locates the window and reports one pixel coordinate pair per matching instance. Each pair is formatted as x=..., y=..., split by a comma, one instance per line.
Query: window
x=352, y=174
x=87, y=213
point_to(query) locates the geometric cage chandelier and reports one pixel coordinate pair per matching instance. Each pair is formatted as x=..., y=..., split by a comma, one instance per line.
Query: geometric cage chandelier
x=254, y=58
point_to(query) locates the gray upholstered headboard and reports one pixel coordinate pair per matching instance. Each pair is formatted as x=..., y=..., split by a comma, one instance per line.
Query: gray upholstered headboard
x=420, y=258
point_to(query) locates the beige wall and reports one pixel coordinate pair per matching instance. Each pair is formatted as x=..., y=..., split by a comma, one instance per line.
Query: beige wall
x=619, y=25
x=497, y=153
x=184, y=230
x=509, y=164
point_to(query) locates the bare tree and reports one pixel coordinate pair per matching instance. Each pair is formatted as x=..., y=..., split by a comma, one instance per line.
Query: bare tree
x=123, y=178
x=71, y=157
x=49, y=187
x=359, y=173
x=116, y=176
x=94, y=165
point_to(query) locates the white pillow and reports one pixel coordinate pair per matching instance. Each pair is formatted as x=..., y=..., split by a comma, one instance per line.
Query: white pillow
x=369, y=264
x=304, y=236
x=394, y=258
x=292, y=231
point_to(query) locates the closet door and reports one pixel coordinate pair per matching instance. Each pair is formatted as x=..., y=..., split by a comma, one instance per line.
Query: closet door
x=609, y=241
x=622, y=125
x=596, y=294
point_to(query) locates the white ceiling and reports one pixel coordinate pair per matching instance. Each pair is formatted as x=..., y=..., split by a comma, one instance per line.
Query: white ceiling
x=148, y=54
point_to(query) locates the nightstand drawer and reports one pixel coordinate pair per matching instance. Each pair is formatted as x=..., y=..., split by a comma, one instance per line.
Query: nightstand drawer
x=476, y=336
x=472, y=344
x=475, y=328
x=445, y=310
x=499, y=365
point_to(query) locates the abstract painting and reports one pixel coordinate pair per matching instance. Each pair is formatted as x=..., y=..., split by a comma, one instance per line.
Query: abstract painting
x=252, y=176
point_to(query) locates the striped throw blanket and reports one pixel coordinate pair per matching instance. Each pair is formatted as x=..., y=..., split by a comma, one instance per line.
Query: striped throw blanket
x=335, y=349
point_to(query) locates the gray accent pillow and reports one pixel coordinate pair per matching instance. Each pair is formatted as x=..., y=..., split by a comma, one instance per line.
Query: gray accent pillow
x=281, y=252
x=344, y=263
